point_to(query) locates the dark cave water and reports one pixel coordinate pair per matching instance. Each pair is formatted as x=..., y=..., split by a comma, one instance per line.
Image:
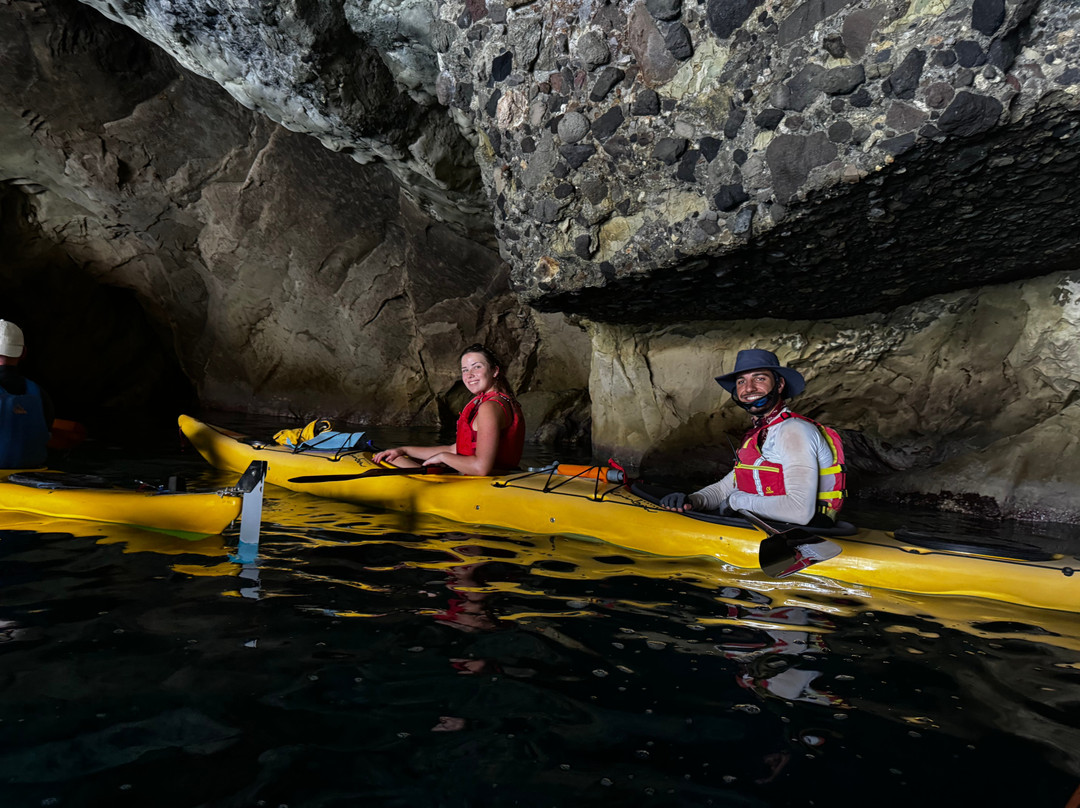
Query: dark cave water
x=379, y=659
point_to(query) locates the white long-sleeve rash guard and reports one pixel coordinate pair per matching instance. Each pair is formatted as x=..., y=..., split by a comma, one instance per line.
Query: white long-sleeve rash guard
x=802, y=450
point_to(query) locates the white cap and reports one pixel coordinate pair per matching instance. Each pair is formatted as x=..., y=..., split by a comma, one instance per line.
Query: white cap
x=11, y=340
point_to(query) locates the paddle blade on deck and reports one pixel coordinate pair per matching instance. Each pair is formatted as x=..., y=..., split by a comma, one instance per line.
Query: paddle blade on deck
x=378, y=472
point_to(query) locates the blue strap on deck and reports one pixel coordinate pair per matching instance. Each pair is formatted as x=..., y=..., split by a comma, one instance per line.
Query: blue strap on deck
x=331, y=441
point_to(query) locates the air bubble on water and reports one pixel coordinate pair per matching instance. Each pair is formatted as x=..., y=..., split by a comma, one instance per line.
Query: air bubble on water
x=642, y=753
x=618, y=645
x=656, y=645
x=845, y=677
x=840, y=716
x=600, y=672
x=606, y=781
x=313, y=677
x=751, y=709
x=564, y=766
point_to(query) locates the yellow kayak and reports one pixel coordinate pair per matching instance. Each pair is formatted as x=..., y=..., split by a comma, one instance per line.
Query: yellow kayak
x=60, y=496
x=553, y=503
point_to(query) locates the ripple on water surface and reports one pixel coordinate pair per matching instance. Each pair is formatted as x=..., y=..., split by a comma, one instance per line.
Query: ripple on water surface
x=387, y=659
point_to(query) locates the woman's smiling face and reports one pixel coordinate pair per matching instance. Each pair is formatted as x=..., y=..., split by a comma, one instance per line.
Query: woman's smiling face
x=477, y=375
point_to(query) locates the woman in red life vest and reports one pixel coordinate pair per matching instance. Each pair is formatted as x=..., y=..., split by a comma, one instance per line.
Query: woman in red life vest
x=789, y=468
x=490, y=430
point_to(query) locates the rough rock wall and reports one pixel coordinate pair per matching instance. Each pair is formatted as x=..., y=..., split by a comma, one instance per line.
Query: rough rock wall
x=970, y=397
x=358, y=76
x=653, y=160
x=286, y=277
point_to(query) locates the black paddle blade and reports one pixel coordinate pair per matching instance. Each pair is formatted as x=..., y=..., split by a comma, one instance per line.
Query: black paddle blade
x=379, y=472
x=794, y=550
x=327, y=478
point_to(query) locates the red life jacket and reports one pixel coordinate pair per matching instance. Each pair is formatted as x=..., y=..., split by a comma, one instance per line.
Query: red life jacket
x=755, y=475
x=511, y=437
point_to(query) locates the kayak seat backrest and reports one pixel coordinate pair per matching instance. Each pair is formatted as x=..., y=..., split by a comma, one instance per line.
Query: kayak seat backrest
x=58, y=479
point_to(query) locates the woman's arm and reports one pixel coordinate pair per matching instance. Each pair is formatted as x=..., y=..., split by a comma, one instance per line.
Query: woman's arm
x=409, y=456
x=489, y=422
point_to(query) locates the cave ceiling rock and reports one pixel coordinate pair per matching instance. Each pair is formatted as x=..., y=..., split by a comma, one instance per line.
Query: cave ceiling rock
x=830, y=145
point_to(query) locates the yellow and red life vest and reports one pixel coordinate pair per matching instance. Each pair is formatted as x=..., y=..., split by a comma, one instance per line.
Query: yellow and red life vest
x=756, y=475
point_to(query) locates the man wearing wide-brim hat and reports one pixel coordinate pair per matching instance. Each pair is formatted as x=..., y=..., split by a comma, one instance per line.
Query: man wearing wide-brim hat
x=788, y=467
x=24, y=424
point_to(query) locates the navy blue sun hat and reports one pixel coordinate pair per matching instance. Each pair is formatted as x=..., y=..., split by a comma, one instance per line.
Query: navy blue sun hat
x=756, y=359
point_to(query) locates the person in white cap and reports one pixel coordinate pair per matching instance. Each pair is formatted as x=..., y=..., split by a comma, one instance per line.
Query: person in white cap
x=25, y=411
x=788, y=467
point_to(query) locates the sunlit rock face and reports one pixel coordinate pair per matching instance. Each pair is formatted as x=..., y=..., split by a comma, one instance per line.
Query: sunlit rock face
x=969, y=398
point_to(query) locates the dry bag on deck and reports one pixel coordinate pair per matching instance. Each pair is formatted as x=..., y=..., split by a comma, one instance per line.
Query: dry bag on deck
x=319, y=434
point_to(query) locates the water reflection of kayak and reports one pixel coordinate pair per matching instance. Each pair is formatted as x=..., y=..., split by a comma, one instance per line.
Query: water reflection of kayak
x=84, y=497
x=551, y=503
